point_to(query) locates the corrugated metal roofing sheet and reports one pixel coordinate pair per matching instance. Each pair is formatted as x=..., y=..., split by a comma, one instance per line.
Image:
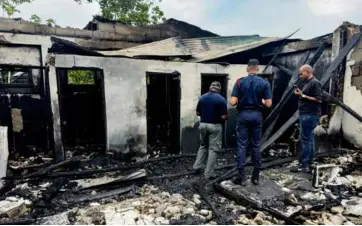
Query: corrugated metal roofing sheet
x=201, y=49
x=167, y=47
x=204, y=50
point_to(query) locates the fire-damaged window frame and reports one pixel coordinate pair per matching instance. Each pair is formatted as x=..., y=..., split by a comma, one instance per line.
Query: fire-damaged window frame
x=40, y=88
x=14, y=88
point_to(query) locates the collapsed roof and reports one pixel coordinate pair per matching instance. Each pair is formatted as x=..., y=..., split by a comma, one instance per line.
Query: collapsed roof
x=199, y=49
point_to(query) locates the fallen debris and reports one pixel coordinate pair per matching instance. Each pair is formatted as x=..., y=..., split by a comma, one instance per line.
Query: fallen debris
x=95, y=196
x=44, y=171
x=353, y=206
x=107, y=181
x=13, y=207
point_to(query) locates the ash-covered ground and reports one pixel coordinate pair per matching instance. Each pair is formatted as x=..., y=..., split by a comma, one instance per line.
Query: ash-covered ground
x=167, y=191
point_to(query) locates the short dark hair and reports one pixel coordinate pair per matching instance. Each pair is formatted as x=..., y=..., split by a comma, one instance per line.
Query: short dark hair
x=215, y=86
x=253, y=63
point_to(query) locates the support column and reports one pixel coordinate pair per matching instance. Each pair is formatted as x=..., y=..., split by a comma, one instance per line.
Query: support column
x=54, y=104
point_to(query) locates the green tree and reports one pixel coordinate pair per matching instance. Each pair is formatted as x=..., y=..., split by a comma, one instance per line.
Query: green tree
x=81, y=77
x=9, y=6
x=35, y=19
x=133, y=12
x=51, y=22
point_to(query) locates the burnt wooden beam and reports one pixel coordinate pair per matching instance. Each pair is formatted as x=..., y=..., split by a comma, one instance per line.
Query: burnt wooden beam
x=279, y=51
x=324, y=81
x=35, y=166
x=53, y=190
x=245, y=200
x=87, y=198
x=280, y=131
x=345, y=107
x=138, y=175
x=53, y=167
x=200, y=190
x=169, y=176
x=47, y=196
x=271, y=120
x=111, y=169
x=118, y=168
x=273, y=117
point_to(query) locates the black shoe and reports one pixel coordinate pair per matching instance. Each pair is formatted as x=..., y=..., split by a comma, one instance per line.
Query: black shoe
x=198, y=171
x=255, y=176
x=240, y=179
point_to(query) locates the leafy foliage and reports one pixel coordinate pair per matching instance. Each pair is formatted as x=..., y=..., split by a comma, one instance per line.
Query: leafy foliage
x=35, y=19
x=51, y=22
x=81, y=77
x=133, y=12
x=9, y=6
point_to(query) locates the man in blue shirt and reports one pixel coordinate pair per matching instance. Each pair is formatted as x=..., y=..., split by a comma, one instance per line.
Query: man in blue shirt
x=212, y=109
x=251, y=94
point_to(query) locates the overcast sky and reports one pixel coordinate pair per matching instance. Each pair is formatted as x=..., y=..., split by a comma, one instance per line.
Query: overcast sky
x=276, y=18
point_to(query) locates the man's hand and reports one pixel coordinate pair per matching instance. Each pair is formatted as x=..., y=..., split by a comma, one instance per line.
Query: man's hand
x=233, y=101
x=298, y=92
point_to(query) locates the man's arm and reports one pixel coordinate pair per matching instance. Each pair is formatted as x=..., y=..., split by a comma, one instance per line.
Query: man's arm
x=234, y=95
x=316, y=95
x=224, y=110
x=198, y=108
x=267, y=96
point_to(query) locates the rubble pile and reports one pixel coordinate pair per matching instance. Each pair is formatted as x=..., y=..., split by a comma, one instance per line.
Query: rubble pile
x=163, y=191
x=151, y=207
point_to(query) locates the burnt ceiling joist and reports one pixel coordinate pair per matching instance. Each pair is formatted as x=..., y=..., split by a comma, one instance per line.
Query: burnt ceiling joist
x=62, y=46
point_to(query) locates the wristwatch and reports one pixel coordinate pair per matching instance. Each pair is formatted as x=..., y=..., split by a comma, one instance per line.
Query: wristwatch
x=303, y=96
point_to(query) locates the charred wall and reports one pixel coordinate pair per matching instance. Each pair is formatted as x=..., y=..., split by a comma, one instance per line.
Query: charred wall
x=23, y=100
x=126, y=95
x=352, y=96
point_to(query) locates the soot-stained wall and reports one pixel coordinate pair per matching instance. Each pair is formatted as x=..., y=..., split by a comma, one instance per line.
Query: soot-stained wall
x=352, y=96
x=126, y=93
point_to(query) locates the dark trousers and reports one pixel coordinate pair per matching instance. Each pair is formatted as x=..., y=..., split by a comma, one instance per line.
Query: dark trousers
x=249, y=128
x=308, y=122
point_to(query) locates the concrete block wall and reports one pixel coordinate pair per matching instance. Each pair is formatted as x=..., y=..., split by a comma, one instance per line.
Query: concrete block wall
x=352, y=96
x=107, y=31
x=126, y=92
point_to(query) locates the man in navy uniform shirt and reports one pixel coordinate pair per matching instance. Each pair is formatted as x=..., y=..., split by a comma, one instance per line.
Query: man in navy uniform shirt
x=212, y=109
x=250, y=94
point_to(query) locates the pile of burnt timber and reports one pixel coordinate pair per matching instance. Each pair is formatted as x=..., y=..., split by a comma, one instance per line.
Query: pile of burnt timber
x=40, y=189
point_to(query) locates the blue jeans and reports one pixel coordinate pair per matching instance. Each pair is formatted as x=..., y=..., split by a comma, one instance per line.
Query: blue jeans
x=308, y=122
x=249, y=128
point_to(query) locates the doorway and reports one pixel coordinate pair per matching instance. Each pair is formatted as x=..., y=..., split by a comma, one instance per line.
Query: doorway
x=163, y=113
x=206, y=80
x=82, y=109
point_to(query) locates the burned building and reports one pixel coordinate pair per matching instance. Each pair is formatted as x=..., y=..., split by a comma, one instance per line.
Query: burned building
x=77, y=103
x=140, y=99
